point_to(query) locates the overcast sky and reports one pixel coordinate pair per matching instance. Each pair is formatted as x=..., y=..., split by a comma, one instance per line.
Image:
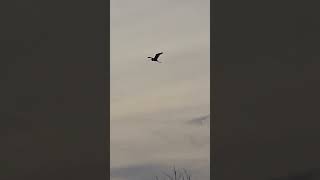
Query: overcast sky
x=160, y=112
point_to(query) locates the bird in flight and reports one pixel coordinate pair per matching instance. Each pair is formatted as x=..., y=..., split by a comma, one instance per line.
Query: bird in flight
x=155, y=58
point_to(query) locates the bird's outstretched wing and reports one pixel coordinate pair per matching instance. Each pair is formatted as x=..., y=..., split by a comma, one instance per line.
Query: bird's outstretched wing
x=157, y=55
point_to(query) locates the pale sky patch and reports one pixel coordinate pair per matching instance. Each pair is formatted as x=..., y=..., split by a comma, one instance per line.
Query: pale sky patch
x=151, y=103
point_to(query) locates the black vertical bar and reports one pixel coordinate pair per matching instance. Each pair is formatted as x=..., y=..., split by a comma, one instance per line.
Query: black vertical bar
x=266, y=83
x=54, y=76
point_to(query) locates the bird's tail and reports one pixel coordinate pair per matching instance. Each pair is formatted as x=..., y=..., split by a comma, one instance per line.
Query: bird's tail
x=150, y=57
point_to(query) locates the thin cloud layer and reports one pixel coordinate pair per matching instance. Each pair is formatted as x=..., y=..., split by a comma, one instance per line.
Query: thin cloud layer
x=200, y=120
x=150, y=171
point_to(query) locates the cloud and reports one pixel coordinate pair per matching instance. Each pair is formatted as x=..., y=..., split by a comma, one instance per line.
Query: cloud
x=136, y=172
x=160, y=98
x=149, y=171
x=166, y=143
x=199, y=120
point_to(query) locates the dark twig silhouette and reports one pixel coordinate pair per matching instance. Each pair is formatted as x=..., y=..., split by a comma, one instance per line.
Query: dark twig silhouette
x=176, y=175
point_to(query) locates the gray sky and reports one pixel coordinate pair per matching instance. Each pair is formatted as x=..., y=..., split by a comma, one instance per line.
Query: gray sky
x=155, y=106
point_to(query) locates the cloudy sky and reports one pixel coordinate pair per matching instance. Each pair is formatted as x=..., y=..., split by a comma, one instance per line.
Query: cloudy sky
x=160, y=111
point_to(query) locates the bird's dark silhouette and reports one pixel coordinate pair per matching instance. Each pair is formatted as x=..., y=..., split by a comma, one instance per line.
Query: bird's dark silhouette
x=155, y=58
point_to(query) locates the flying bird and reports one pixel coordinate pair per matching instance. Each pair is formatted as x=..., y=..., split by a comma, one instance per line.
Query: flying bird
x=155, y=58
